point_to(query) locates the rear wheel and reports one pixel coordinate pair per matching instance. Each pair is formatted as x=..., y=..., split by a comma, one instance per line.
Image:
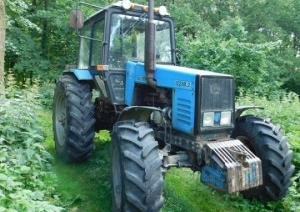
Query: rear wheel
x=266, y=142
x=73, y=119
x=137, y=181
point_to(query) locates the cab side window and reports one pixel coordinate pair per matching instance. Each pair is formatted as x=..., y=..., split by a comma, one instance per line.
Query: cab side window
x=97, y=47
x=84, y=53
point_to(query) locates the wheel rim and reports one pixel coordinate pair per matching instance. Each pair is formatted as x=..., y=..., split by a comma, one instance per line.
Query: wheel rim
x=117, y=182
x=60, y=120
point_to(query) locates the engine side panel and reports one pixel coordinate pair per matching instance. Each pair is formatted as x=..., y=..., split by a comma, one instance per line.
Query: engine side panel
x=182, y=84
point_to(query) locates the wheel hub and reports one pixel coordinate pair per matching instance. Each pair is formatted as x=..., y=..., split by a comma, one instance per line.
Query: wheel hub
x=62, y=119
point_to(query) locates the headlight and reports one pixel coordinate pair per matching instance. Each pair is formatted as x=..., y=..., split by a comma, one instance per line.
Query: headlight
x=211, y=119
x=208, y=119
x=225, y=118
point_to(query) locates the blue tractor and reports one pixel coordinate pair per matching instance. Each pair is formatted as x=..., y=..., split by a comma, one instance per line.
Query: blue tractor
x=160, y=115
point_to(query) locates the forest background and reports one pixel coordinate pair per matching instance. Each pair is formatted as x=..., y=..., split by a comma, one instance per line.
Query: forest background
x=257, y=41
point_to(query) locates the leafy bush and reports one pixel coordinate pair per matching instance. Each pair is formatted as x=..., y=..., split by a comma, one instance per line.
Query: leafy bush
x=247, y=62
x=24, y=162
x=46, y=92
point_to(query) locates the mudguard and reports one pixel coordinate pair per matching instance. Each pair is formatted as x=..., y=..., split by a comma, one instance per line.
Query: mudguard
x=138, y=113
x=240, y=109
x=80, y=74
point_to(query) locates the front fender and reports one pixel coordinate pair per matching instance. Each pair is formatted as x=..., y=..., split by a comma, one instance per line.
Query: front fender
x=80, y=74
x=240, y=109
x=139, y=113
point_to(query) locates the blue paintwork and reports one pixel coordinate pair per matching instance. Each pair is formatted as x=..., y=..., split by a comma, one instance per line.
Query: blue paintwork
x=251, y=175
x=81, y=74
x=213, y=174
x=182, y=82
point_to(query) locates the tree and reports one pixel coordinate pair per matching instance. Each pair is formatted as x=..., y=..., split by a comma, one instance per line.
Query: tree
x=256, y=41
x=2, y=45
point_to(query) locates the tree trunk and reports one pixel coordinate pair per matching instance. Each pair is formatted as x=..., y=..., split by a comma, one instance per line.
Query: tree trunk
x=2, y=45
x=45, y=33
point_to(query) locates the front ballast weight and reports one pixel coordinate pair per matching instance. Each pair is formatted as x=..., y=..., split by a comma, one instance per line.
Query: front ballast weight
x=231, y=167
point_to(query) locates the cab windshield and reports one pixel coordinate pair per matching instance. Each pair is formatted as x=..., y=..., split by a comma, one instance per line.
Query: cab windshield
x=127, y=40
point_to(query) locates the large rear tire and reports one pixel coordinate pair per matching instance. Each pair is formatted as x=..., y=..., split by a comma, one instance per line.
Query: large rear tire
x=266, y=142
x=73, y=119
x=137, y=181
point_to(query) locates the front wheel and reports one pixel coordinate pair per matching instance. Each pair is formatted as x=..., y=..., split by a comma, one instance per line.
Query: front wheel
x=266, y=142
x=137, y=181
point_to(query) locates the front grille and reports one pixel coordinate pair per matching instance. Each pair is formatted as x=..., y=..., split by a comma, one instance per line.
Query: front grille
x=216, y=94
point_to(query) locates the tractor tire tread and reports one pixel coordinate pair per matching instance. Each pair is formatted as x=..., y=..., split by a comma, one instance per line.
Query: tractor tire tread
x=142, y=177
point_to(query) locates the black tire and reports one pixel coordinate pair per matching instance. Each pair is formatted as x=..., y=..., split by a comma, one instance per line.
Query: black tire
x=73, y=120
x=266, y=142
x=137, y=182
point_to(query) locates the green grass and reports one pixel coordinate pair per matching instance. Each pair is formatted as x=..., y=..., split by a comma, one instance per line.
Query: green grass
x=86, y=187
x=183, y=190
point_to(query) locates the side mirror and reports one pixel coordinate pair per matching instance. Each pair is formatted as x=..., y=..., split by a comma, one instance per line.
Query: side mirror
x=76, y=19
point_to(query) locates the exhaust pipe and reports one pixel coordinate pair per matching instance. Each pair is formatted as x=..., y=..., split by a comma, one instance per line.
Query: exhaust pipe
x=150, y=53
x=150, y=59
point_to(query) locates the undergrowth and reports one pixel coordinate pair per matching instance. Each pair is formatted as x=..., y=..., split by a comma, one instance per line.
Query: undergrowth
x=25, y=165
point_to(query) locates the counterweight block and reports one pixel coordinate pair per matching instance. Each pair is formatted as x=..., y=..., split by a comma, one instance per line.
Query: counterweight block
x=231, y=167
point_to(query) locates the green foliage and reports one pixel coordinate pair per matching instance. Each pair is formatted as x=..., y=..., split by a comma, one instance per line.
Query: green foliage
x=245, y=61
x=45, y=95
x=86, y=187
x=24, y=162
x=292, y=202
x=282, y=107
x=102, y=137
x=256, y=41
x=38, y=39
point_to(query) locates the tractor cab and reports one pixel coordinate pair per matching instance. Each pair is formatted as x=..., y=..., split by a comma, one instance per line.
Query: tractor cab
x=112, y=37
x=116, y=35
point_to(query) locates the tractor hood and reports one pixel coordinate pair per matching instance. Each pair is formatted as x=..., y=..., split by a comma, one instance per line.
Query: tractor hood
x=167, y=75
x=193, y=91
